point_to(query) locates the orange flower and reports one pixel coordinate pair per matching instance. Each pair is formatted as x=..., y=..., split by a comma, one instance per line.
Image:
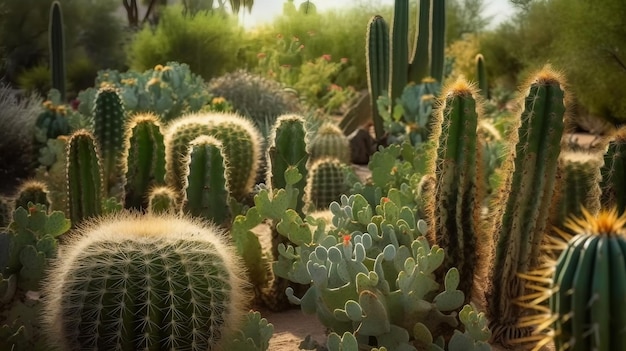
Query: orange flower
x=346, y=239
x=344, y=60
x=327, y=57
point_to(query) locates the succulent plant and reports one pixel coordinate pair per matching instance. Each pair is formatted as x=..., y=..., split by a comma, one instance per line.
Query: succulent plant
x=174, y=279
x=143, y=162
x=614, y=172
x=329, y=141
x=162, y=199
x=32, y=191
x=57, y=48
x=239, y=137
x=326, y=182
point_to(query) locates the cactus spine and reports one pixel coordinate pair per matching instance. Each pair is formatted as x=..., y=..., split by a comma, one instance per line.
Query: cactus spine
x=614, y=172
x=144, y=163
x=522, y=207
x=84, y=177
x=109, y=121
x=454, y=207
x=240, y=139
x=32, y=191
x=206, y=187
x=135, y=282
x=57, y=48
x=377, y=48
x=329, y=141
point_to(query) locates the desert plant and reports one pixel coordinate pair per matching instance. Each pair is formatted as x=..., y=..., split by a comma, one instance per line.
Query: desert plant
x=133, y=261
x=614, y=172
x=325, y=183
x=57, y=48
x=329, y=141
x=32, y=191
x=162, y=199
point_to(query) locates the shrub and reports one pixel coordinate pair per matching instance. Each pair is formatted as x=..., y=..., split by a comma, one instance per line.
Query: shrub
x=207, y=42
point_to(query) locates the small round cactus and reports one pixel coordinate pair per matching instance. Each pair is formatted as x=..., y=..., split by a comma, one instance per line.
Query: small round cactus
x=326, y=183
x=135, y=282
x=32, y=191
x=162, y=199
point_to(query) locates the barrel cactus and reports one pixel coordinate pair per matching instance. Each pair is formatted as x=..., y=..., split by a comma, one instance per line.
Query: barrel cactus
x=329, y=141
x=132, y=282
x=32, y=191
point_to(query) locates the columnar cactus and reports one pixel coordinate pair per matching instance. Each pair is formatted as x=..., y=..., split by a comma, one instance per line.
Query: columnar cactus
x=239, y=137
x=481, y=76
x=399, y=49
x=57, y=48
x=205, y=185
x=326, y=183
x=162, y=199
x=32, y=191
x=288, y=148
x=522, y=205
x=614, y=172
x=329, y=141
x=135, y=282
x=454, y=207
x=144, y=161
x=377, y=49
x=109, y=121
x=84, y=177
x=579, y=186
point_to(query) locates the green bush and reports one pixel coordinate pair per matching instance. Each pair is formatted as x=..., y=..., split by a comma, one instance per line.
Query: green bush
x=207, y=42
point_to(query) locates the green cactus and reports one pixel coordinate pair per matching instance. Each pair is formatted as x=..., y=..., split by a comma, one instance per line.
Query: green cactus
x=438, y=39
x=481, y=76
x=162, y=199
x=205, y=185
x=399, y=49
x=454, y=208
x=144, y=161
x=377, y=48
x=239, y=137
x=418, y=68
x=32, y=191
x=326, y=183
x=109, y=122
x=579, y=186
x=57, y=48
x=521, y=209
x=85, y=186
x=51, y=123
x=254, y=335
x=174, y=280
x=329, y=141
x=614, y=172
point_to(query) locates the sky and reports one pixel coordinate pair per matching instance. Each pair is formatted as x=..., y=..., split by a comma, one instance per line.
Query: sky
x=264, y=11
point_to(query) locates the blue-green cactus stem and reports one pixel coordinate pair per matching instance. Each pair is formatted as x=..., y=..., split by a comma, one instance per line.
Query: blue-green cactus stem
x=144, y=161
x=84, y=177
x=206, y=187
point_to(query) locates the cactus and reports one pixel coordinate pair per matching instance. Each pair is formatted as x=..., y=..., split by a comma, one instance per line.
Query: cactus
x=329, y=141
x=57, y=48
x=51, y=123
x=254, y=335
x=288, y=148
x=481, y=76
x=377, y=48
x=6, y=212
x=205, y=185
x=579, y=186
x=239, y=137
x=399, y=49
x=162, y=199
x=34, y=192
x=109, y=121
x=144, y=161
x=174, y=280
x=454, y=208
x=614, y=172
x=522, y=205
x=438, y=39
x=326, y=183
x=83, y=177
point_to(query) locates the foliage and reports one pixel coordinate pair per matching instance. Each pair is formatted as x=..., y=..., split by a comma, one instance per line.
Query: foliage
x=208, y=43
x=463, y=52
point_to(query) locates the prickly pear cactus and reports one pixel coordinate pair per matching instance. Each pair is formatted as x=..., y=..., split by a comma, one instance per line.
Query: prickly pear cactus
x=174, y=279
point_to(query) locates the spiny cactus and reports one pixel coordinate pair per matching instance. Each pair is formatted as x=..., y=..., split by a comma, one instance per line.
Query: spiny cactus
x=239, y=137
x=481, y=76
x=109, y=121
x=162, y=199
x=614, y=172
x=329, y=141
x=377, y=48
x=133, y=282
x=205, y=185
x=521, y=209
x=144, y=160
x=326, y=183
x=34, y=192
x=454, y=208
x=57, y=48
x=85, y=186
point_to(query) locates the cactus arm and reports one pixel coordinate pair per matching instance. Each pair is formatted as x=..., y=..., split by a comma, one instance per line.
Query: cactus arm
x=377, y=48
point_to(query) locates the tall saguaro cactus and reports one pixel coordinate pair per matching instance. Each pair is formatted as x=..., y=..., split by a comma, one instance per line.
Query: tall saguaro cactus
x=523, y=204
x=57, y=48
